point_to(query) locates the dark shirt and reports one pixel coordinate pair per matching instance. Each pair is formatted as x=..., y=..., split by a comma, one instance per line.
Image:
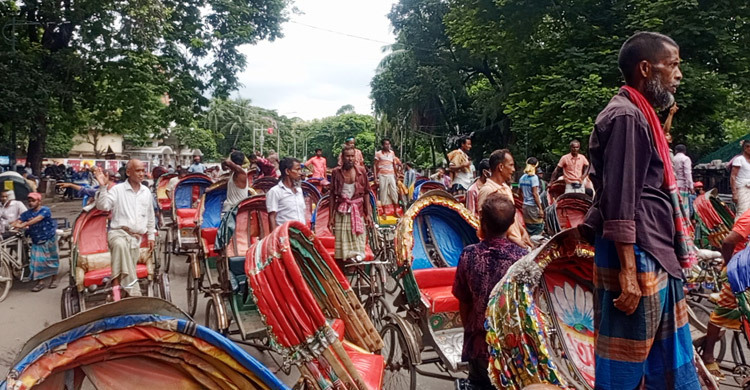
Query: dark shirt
x=630, y=205
x=267, y=169
x=480, y=268
x=43, y=230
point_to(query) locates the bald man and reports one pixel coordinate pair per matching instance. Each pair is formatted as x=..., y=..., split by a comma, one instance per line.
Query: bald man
x=132, y=217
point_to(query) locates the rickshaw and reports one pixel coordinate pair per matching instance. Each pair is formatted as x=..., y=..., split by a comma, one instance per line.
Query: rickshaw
x=426, y=186
x=134, y=343
x=540, y=319
x=90, y=266
x=181, y=239
x=204, y=261
x=230, y=309
x=714, y=219
x=263, y=184
x=13, y=181
x=14, y=262
x=426, y=327
x=312, y=198
x=567, y=211
x=309, y=307
x=165, y=203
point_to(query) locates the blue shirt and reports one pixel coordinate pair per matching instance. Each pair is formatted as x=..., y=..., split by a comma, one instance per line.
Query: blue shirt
x=43, y=230
x=527, y=184
x=197, y=168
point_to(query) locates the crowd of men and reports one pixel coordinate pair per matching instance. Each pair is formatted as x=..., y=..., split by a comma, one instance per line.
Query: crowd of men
x=638, y=224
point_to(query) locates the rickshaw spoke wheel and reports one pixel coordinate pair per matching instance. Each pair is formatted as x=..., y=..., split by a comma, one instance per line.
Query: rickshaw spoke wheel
x=6, y=279
x=192, y=295
x=377, y=309
x=164, y=291
x=399, y=373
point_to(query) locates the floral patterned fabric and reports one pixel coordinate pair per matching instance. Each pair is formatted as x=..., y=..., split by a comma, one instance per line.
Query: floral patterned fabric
x=43, y=230
x=480, y=268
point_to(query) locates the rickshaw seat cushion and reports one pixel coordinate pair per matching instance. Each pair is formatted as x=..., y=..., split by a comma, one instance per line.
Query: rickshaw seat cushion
x=96, y=276
x=237, y=265
x=370, y=367
x=209, y=235
x=436, y=287
x=95, y=261
x=186, y=217
x=339, y=327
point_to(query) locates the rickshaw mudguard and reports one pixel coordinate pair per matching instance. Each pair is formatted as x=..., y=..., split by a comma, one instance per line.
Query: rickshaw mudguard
x=411, y=335
x=116, y=332
x=540, y=317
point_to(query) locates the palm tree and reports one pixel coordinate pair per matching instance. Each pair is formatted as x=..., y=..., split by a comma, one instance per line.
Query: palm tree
x=232, y=117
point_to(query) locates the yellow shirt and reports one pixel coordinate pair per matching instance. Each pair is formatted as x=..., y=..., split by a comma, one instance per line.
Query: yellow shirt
x=517, y=231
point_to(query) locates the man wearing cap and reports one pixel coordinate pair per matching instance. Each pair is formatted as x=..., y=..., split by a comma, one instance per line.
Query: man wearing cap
x=44, y=260
x=359, y=159
x=131, y=205
x=197, y=166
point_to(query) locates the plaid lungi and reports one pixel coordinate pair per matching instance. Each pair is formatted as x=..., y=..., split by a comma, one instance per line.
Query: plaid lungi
x=726, y=314
x=651, y=346
x=44, y=260
x=685, y=202
x=348, y=244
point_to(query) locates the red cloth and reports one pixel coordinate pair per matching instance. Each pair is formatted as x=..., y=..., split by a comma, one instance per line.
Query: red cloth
x=346, y=204
x=684, y=244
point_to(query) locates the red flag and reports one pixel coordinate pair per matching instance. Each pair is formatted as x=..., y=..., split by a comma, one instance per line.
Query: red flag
x=270, y=130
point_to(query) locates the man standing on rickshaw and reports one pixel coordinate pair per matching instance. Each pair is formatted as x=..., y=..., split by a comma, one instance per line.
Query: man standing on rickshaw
x=317, y=165
x=285, y=201
x=237, y=185
x=44, y=260
x=132, y=216
x=642, y=338
x=386, y=165
x=349, y=207
x=462, y=171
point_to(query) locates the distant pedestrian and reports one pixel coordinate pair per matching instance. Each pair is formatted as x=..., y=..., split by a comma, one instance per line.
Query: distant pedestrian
x=386, y=166
x=460, y=166
x=410, y=178
x=472, y=195
x=740, y=180
x=574, y=167
x=683, y=172
x=44, y=260
x=359, y=158
x=533, y=212
x=197, y=166
x=237, y=185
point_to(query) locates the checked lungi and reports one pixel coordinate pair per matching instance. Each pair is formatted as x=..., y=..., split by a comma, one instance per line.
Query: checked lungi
x=44, y=260
x=348, y=244
x=651, y=346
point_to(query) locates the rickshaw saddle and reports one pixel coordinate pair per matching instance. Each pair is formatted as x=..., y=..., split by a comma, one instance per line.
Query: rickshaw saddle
x=186, y=217
x=436, y=286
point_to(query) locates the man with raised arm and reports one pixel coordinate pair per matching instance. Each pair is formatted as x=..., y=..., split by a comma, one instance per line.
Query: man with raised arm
x=132, y=210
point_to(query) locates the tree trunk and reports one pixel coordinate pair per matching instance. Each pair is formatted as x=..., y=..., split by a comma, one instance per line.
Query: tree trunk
x=35, y=151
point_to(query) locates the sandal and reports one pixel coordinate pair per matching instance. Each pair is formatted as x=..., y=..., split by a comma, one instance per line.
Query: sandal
x=38, y=287
x=53, y=284
x=713, y=369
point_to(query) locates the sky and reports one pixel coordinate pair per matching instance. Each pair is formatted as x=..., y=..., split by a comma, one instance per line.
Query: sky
x=311, y=73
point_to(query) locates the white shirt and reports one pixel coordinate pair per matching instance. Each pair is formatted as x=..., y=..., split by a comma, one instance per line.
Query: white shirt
x=288, y=205
x=129, y=209
x=743, y=175
x=10, y=212
x=197, y=168
x=683, y=171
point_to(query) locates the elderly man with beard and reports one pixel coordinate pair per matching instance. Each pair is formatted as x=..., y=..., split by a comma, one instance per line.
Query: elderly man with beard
x=131, y=205
x=349, y=207
x=285, y=201
x=642, y=338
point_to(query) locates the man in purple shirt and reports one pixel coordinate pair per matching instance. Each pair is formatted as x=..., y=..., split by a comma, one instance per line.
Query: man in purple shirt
x=642, y=337
x=480, y=268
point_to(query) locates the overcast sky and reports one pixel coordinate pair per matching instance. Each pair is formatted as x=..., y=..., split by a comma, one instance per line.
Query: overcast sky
x=310, y=73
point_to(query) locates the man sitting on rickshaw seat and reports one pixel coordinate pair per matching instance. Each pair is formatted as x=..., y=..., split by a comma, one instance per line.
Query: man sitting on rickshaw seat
x=10, y=210
x=132, y=216
x=480, y=268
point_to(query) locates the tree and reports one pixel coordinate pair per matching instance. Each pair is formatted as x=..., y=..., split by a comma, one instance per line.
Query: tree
x=330, y=133
x=345, y=109
x=116, y=61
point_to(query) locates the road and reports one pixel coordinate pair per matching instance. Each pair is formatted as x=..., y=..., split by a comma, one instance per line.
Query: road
x=25, y=313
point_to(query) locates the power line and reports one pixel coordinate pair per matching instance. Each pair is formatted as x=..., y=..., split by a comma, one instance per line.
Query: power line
x=341, y=33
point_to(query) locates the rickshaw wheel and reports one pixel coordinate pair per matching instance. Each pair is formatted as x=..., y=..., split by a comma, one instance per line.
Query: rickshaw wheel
x=167, y=250
x=163, y=286
x=377, y=309
x=192, y=295
x=6, y=279
x=212, y=320
x=69, y=302
x=399, y=373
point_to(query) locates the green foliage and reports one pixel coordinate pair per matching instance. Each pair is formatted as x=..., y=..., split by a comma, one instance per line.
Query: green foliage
x=195, y=137
x=531, y=75
x=330, y=133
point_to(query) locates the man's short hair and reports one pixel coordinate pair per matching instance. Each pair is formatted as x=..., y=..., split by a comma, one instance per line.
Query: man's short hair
x=463, y=139
x=497, y=214
x=641, y=46
x=286, y=163
x=497, y=157
x=680, y=148
x=237, y=157
x=382, y=142
x=575, y=141
x=484, y=164
x=318, y=150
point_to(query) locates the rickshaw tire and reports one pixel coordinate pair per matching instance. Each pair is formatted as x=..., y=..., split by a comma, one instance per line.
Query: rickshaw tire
x=192, y=295
x=408, y=365
x=212, y=312
x=164, y=292
x=7, y=274
x=69, y=304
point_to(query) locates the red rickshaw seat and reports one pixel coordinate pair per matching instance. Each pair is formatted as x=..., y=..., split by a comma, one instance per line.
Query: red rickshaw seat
x=339, y=327
x=370, y=367
x=209, y=236
x=96, y=276
x=436, y=286
x=186, y=217
x=165, y=203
